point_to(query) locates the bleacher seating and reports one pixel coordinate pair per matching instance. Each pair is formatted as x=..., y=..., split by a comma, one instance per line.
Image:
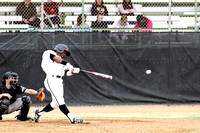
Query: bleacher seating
x=130, y=18
x=157, y=14
x=115, y=9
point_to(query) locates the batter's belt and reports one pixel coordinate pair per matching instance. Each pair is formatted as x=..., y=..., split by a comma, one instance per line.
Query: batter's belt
x=56, y=76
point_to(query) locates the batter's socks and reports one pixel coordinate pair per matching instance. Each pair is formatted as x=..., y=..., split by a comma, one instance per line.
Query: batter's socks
x=65, y=110
x=48, y=108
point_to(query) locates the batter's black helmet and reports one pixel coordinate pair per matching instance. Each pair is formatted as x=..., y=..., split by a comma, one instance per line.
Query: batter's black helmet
x=61, y=48
x=9, y=75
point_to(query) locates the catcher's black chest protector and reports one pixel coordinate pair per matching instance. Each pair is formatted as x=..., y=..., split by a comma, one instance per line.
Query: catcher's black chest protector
x=13, y=92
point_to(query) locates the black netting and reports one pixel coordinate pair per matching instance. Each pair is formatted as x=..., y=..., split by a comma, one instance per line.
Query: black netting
x=173, y=59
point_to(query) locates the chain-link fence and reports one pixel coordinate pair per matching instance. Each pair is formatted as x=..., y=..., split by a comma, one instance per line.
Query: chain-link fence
x=99, y=15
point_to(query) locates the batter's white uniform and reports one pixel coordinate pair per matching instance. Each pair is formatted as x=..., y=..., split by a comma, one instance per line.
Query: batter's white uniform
x=54, y=73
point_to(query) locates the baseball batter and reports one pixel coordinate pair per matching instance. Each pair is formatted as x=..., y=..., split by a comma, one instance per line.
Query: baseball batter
x=55, y=68
x=8, y=97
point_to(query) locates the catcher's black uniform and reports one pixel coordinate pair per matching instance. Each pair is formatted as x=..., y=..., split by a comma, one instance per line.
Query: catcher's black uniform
x=12, y=91
x=8, y=106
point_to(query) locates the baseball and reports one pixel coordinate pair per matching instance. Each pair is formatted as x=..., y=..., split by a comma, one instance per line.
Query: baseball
x=148, y=71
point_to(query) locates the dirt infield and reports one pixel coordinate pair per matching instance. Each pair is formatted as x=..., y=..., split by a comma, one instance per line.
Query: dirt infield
x=111, y=119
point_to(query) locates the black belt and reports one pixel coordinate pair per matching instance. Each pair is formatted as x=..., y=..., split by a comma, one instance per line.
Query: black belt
x=57, y=76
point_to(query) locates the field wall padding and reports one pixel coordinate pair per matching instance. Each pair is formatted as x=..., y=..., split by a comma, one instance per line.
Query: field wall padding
x=173, y=58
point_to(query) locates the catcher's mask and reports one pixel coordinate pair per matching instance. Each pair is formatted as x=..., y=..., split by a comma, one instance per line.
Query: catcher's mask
x=61, y=48
x=13, y=77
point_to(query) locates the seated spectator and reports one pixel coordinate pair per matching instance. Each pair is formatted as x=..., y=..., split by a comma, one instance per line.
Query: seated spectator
x=127, y=7
x=28, y=12
x=143, y=22
x=122, y=23
x=99, y=23
x=99, y=8
x=51, y=9
x=79, y=22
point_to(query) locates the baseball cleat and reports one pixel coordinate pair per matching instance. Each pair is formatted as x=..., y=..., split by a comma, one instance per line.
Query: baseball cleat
x=19, y=118
x=76, y=121
x=37, y=116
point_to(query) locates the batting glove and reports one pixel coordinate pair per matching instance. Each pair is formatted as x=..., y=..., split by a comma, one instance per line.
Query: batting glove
x=68, y=66
x=76, y=70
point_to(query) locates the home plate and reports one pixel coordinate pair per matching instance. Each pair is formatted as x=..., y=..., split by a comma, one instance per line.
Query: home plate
x=86, y=122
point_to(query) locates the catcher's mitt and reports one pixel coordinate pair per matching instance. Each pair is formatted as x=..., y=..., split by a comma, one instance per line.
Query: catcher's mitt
x=40, y=95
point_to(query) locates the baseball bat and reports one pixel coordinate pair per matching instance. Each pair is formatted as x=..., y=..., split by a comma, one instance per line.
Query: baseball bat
x=98, y=74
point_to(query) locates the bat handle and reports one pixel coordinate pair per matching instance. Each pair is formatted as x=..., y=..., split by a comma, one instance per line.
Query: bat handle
x=85, y=71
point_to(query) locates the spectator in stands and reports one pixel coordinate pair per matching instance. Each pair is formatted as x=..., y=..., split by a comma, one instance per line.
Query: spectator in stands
x=122, y=23
x=127, y=7
x=99, y=23
x=143, y=22
x=51, y=9
x=27, y=10
x=79, y=22
x=99, y=8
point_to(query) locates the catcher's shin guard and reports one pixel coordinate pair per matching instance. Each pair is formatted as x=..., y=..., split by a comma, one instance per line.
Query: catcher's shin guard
x=25, y=109
x=4, y=103
x=1, y=113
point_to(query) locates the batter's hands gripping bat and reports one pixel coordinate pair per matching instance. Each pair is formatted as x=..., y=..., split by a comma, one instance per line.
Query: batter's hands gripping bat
x=98, y=74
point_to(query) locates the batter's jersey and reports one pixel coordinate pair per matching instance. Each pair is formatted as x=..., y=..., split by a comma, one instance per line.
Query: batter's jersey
x=12, y=91
x=49, y=66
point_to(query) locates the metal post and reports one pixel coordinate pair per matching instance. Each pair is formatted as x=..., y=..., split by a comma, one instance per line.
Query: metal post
x=42, y=15
x=61, y=3
x=83, y=18
x=49, y=20
x=170, y=11
x=196, y=21
x=196, y=26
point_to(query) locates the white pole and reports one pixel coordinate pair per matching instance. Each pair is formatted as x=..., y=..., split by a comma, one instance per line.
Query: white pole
x=196, y=21
x=170, y=11
x=42, y=15
x=49, y=19
x=83, y=12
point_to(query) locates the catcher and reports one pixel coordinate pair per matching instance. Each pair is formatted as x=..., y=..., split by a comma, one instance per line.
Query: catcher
x=8, y=97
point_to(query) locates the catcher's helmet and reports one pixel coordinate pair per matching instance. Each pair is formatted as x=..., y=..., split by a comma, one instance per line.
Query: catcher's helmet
x=10, y=75
x=61, y=48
